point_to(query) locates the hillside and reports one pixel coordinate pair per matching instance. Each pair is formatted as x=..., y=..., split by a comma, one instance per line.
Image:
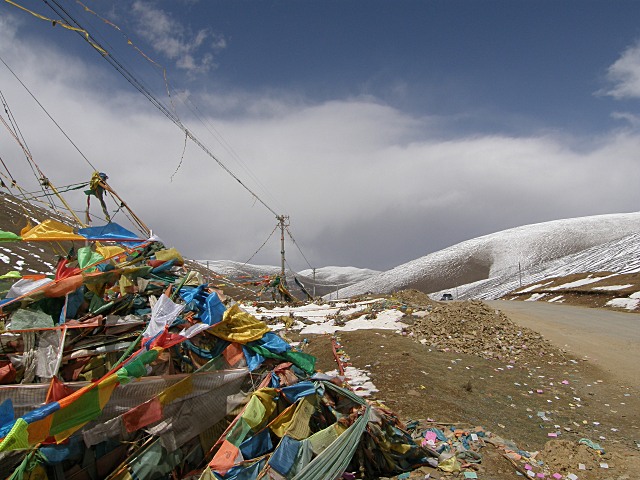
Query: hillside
x=505, y=253
x=234, y=278
x=455, y=365
x=620, y=256
x=327, y=279
x=487, y=267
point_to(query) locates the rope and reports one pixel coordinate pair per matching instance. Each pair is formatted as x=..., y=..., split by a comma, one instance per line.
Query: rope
x=187, y=102
x=64, y=188
x=298, y=247
x=182, y=157
x=47, y=113
x=260, y=248
x=142, y=89
x=13, y=131
x=13, y=180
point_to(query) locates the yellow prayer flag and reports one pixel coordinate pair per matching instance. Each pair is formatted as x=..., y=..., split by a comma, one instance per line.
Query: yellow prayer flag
x=39, y=430
x=51, y=230
x=239, y=326
x=180, y=389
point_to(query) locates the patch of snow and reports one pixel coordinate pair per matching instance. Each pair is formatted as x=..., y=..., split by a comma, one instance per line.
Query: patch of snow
x=613, y=287
x=535, y=297
x=358, y=380
x=635, y=295
x=385, y=320
x=320, y=316
x=628, y=303
x=580, y=282
x=557, y=299
x=4, y=258
x=533, y=287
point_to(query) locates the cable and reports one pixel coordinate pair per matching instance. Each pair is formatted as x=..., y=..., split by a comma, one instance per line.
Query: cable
x=185, y=101
x=142, y=89
x=298, y=247
x=64, y=188
x=41, y=178
x=260, y=248
x=218, y=136
x=48, y=115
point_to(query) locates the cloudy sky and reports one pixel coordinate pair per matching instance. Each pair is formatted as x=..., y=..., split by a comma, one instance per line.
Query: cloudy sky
x=385, y=130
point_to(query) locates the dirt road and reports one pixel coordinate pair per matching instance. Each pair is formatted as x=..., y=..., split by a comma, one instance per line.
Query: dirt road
x=610, y=340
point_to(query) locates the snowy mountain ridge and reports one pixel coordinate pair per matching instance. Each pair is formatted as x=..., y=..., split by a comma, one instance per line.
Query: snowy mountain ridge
x=327, y=279
x=509, y=253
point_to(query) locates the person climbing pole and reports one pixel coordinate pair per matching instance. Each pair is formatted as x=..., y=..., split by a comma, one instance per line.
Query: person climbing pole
x=96, y=188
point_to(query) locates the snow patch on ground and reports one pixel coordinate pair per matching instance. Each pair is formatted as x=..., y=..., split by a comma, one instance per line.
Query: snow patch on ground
x=532, y=287
x=628, y=303
x=385, y=320
x=323, y=317
x=614, y=287
x=358, y=380
x=557, y=299
x=579, y=283
x=535, y=297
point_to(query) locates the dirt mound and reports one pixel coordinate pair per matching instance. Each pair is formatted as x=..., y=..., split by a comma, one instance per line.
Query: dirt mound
x=414, y=298
x=472, y=327
x=566, y=457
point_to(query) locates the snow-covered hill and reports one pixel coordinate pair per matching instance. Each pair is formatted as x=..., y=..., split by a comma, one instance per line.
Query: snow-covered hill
x=485, y=267
x=619, y=256
x=505, y=254
x=327, y=279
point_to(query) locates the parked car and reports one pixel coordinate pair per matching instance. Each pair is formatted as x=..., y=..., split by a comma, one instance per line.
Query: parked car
x=446, y=296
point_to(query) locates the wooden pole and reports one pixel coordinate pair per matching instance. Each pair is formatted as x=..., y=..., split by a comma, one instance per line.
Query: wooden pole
x=140, y=223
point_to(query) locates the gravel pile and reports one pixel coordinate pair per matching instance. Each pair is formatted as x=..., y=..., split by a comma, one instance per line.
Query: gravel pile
x=473, y=328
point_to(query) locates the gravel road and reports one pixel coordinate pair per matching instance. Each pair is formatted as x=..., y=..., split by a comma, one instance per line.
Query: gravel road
x=610, y=340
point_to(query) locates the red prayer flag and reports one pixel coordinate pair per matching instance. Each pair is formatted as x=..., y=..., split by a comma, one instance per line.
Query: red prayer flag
x=224, y=458
x=143, y=415
x=233, y=354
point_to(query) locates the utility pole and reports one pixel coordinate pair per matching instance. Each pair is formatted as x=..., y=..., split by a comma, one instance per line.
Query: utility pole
x=284, y=222
x=314, y=283
x=520, y=273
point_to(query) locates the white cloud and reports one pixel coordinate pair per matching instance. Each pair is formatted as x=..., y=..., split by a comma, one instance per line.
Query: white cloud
x=174, y=40
x=624, y=74
x=632, y=119
x=364, y=184
x=8, y=27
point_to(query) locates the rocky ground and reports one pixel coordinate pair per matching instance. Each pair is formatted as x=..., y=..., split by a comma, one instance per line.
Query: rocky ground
x=466, y=366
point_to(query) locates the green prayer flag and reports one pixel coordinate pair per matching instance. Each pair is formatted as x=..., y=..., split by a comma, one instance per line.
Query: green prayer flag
x=17, y=438
x=238, y=432
x=9, y=237
x=88, y=257
x=254, y=412
x=84, y=408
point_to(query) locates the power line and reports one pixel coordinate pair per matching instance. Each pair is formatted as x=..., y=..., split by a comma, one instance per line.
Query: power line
x=298, y=247
x=48, y=115
x=115, y=63
x=260, y=248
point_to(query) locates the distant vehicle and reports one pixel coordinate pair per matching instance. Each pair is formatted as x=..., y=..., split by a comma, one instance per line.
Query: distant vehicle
x=446, y=296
